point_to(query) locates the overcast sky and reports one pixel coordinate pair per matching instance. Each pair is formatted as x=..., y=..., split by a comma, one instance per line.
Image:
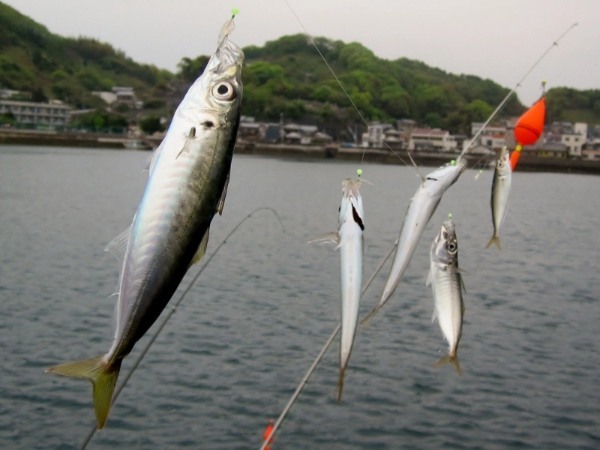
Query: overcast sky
x=496, y=39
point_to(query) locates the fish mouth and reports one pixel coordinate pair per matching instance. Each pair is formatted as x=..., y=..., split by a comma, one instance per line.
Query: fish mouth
x=227, y=59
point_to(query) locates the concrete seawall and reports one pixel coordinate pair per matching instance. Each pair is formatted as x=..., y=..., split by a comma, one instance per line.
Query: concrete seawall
x=330, y=151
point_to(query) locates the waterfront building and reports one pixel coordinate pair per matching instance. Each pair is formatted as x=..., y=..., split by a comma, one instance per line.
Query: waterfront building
x=591, y=150
x=34, y=114
x=432, y=139
x=120, y=95
x=494, y=137
x=375, y=135
x=575, y=141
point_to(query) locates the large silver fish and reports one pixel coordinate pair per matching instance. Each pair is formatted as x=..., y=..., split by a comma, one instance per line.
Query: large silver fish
x=446, y=282
x=500, y=194
x=419, y=212
x=350, y=244
x=186, y=188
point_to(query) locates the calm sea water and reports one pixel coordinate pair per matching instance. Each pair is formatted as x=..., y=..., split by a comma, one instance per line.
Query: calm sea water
x=237, y=347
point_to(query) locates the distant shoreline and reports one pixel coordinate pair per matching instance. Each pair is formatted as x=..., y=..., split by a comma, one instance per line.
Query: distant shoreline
x=329, y=151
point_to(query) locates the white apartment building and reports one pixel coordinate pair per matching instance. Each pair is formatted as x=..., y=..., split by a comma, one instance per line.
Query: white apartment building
x=54, y=113
x=575, y=141
x=431, y=139
x=492, y=137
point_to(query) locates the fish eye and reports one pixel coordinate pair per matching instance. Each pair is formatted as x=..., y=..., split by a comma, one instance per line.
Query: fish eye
x=224, y=91
x=451, y=246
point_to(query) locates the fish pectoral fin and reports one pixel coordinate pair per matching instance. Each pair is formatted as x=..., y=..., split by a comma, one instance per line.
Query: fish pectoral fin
x=428, y=280
x=329, y=238
x=221, y=203
x=186, y=144
x=118, y=246
x=201, y=250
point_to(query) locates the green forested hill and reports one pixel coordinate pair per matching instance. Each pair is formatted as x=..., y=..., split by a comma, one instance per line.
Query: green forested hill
x=289, y=69
x=284, y=77
x=49, y=66
x=288, y=77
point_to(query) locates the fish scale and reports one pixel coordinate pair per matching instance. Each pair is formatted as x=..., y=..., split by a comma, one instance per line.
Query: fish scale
x=447, y=292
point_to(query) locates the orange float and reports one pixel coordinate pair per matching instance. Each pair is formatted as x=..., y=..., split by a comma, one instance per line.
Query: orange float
x=528, y=129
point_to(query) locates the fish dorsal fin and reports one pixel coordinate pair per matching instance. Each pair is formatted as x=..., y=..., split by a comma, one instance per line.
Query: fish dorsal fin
x=149, y=162
x=152, y=161
x=201, y=249
x=118, y=246
x=221, y=203
x=462, y=282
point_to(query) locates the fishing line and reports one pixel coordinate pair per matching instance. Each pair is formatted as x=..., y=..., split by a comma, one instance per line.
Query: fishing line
x=330, y=339
x=314, y=44
x=518, y=85
x=319, y=357
x=174, y=308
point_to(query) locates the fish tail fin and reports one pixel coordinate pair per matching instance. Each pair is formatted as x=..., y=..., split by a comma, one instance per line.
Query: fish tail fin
x=450, y=359
x=341, y=383
x=365, y=321
x=103, y=377
x=494, y=240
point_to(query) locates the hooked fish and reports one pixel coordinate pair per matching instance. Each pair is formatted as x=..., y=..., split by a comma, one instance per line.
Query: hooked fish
x=349, y=240
x=419, y=212
x=186, y=187
x=500, y=194
x=350, y=244
x=447, y=285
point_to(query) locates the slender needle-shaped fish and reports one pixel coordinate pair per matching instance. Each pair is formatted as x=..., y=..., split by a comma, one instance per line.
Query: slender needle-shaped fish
x=419, y=212
x=349, y=240
x=446, y=282
x=186, y=188
x=350, y=244
x=500, y=194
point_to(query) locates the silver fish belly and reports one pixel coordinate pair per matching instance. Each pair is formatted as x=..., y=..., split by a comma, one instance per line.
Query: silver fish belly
x=500, y=193
x=351, y=227
x=419, y=212
x=186, y=187
x=446, y=283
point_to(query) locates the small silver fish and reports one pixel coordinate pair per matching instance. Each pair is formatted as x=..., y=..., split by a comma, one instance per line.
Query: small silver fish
x=419, y=212
x=500, y=194
x=186, y=187
x=350, y=244
x=447, y=285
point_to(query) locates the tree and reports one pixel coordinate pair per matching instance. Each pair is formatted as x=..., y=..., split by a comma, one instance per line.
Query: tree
x=190, y=69
x=151, y=124
x=477, y=111
x=7, y=119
